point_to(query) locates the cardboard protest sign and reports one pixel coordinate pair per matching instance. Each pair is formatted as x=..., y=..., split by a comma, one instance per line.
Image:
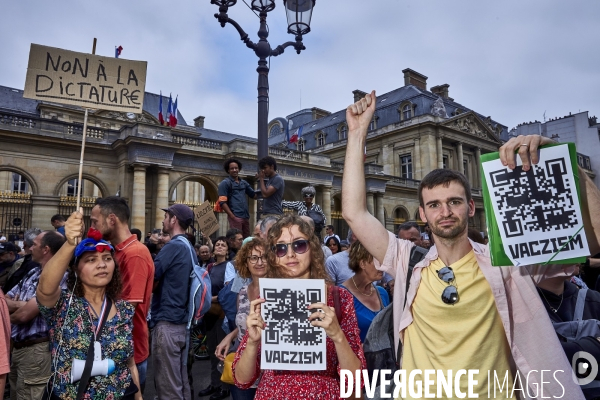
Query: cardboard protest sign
x=289, y=341
x=85, y=80
x=207, y=221
x=534, y=217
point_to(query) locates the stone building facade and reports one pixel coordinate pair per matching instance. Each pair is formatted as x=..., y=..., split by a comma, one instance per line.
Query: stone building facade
x=414, y=131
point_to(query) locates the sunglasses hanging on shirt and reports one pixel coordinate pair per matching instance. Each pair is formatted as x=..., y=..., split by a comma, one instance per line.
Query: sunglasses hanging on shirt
x=450, y=293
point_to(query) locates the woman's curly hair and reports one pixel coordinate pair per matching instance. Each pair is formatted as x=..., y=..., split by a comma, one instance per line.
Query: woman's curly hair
x=241, y=258
x=113, y=289
x=317, y=264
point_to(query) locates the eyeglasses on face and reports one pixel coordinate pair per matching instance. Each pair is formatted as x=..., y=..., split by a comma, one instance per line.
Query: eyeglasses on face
x=254, y=259
x=309, y=195
x=450, y=293
x=298, y=247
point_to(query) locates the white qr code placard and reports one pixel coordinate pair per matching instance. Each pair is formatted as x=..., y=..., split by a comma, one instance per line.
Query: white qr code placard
x=290, y=342
x=537, y=211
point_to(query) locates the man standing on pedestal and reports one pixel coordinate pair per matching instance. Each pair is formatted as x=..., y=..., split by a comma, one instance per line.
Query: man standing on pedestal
x=232, y=197
x=272, y=190
x=111, y=216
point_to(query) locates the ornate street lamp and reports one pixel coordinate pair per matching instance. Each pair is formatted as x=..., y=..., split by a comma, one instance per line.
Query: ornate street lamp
x=299, y=13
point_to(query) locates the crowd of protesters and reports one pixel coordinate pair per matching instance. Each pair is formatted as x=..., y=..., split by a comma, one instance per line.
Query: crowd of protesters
x=67, y=294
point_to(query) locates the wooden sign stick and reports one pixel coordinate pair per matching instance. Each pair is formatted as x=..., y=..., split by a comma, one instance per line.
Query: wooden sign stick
x=84, y=134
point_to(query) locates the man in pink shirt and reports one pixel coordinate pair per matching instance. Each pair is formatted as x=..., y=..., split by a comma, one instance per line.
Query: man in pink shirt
x=518, y=337
x=110, y=216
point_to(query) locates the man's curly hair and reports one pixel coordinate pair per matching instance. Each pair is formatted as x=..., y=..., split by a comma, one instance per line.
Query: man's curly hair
x=317, y=264
x=241, y=258
x=113, y=289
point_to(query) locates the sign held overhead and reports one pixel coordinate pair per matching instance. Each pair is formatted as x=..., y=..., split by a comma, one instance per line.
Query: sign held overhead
x=85, y=80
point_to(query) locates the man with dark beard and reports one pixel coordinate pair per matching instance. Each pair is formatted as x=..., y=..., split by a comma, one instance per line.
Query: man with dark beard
x=110, y=216
x=460, y=312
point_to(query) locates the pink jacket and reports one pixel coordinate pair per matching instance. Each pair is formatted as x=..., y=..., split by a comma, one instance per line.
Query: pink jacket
x=532, y=339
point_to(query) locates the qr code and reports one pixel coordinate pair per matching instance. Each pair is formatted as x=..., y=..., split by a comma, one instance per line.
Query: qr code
x=286, y=316
x=539, y=200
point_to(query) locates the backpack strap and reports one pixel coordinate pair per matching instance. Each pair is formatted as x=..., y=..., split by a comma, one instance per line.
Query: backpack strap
x=578, y=316
x=416, y=255
x=336, y=303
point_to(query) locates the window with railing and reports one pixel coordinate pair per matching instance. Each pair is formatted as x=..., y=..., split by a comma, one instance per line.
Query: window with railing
x=72, y=187
x=20, y=184
x=301, y=144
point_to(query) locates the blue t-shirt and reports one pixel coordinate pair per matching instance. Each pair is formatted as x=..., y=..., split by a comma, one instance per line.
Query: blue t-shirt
x=236, y=193
x=365, y=316
x=172, y=269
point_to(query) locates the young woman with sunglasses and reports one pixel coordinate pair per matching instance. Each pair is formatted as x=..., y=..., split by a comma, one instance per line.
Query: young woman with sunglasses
x=294, y=252
x=251, y=263
x=73, y=316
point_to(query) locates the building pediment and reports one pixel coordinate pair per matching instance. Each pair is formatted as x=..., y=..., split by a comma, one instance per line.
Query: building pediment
x=470, y=124
x=143, y=118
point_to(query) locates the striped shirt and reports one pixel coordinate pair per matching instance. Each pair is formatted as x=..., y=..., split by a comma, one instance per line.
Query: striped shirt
x=301, y=208
x=25, y=291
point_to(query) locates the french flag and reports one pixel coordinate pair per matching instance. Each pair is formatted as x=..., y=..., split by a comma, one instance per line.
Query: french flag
x=173, y=116
x=169, y=110
x=118, y=51
x=296, y=136
x=161, y=119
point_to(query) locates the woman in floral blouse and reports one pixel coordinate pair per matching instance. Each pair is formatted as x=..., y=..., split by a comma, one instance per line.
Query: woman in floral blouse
x=295, y=252
x=73, y=316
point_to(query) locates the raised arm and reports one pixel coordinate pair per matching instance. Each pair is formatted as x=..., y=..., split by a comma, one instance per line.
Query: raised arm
x=527, y=147
x=48, y=289
x=366, y=227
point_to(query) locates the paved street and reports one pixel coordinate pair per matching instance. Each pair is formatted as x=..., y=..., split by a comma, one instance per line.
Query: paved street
x=200, y=372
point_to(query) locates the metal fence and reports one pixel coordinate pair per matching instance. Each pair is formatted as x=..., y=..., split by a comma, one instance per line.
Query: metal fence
x=68, y=205
x=15, y=213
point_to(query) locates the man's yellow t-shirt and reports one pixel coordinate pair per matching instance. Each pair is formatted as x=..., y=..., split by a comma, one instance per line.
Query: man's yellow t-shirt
x=466, y=335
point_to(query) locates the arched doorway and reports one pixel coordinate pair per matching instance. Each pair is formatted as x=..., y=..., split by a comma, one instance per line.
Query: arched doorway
x=67, y=191
x=193, y=191
x=340, y=225
x=15, y=205
x=400, y=216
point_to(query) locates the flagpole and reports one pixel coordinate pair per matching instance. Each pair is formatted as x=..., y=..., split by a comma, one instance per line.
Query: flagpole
x=84, y=134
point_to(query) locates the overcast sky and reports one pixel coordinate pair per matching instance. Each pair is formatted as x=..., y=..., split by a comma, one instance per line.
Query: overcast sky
x=512, y=60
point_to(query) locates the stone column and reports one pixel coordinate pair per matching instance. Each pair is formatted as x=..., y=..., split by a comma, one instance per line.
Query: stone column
x=197, y=198
x=477, y=175
x=162, y=197
x=370, y=203
x=188, y=191
x=388, y=158
x=138, y=204
x=88, y=188
x=417, y=169
x=326, y=205
x=440, y=152
x=380, y=214
x=459, y=157
x=96, y=191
